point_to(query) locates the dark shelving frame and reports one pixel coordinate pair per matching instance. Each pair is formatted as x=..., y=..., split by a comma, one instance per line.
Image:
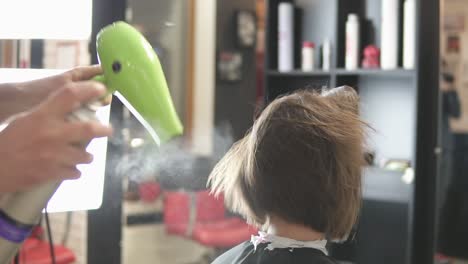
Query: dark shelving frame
x=104, y=234
x=422, y=80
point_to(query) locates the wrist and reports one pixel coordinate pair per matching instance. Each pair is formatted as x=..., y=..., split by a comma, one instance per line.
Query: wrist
x=11, y=92
x=12, y=100
x=19, y=90
x=26, y=96
x=31, y=93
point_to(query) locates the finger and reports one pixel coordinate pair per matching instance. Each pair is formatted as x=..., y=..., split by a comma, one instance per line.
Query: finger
x=85, y=73
x=70, y=173
x=86, y=131
x=72, y=156
x=71, y=97
x=58, y=172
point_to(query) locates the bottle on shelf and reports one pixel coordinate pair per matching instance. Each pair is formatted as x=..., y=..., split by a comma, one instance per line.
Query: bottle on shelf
x=389, y=37
x=285, y=37
x=308, y=56
x=352, y=42
x=24, y=53
x=371, y=57
x=326, y=55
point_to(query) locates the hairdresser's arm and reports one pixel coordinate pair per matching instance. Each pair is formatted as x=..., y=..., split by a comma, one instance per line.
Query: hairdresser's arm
x=18, y=97
x=40, y=145
x=12, y=100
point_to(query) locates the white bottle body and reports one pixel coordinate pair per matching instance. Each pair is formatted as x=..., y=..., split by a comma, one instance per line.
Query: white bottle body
x=307, y=64
x=326, y=55
x=352, y=42
x=409, y=35
x=285, y=37
x=389, y=37
x=24, y=53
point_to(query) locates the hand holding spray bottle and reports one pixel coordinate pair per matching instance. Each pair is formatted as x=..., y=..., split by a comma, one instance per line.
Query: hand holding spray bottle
x=133, y=72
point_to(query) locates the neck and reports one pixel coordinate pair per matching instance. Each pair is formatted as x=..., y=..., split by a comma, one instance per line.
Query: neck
x=280, y=227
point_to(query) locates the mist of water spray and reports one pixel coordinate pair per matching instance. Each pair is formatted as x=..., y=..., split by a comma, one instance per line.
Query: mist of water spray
x=172, y=163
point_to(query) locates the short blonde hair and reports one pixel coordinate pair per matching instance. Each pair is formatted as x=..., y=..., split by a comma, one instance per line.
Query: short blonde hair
x=301, y=161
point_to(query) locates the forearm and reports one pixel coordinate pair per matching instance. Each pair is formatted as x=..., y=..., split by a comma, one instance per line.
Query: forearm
x=13, y=100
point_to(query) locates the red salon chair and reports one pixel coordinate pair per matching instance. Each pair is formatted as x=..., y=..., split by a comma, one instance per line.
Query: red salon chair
x=37, y=251
x=149, y=191
x=201, y=217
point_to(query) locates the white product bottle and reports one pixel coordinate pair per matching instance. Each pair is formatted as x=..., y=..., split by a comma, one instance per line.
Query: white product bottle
x=352, y=42
x=24, y=53
x=326, y=55
x=308, y=56
x=389, y=38
x=285, y=37
x=409, y=34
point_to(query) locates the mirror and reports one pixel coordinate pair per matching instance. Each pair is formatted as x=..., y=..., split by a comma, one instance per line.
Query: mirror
x=155, y=179
x=452, y=195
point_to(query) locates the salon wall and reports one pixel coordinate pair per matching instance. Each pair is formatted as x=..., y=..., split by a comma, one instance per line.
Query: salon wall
x=235, y=102
x=204, y=51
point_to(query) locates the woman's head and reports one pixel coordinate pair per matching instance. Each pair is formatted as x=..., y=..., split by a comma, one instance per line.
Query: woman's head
x=301, y=161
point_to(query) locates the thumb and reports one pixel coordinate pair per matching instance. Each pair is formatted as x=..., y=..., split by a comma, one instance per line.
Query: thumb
x=84, y=73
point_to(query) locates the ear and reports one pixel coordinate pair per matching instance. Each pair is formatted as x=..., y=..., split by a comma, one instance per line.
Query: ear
x=344, y=97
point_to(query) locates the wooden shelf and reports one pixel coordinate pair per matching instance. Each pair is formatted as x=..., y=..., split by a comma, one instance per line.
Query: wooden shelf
x=376, y=72
x=299, y=73
x=343, y=72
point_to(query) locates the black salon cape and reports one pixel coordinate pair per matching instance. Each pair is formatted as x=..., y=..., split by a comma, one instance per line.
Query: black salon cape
x=245, y=254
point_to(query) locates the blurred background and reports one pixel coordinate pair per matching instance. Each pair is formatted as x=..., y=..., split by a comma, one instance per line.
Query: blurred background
x=224, y=62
